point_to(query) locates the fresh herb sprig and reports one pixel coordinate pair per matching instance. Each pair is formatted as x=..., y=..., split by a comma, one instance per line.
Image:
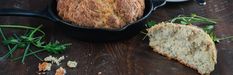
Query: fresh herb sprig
x=29, y=40
x=188, y=20
x=208, y=28
x=150, y=24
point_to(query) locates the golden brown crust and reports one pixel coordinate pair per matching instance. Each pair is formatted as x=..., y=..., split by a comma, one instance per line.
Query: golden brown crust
x=110, y=14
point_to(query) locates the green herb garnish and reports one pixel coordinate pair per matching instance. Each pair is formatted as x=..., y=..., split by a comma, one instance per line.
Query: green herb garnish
x=28, y=40
x=187, y=20
x=150, y=24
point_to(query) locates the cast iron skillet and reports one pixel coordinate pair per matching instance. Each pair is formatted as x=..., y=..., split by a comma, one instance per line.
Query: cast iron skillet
x=88, y=34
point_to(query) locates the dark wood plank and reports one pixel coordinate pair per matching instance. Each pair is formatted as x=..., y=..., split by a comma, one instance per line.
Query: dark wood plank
x=126, y=57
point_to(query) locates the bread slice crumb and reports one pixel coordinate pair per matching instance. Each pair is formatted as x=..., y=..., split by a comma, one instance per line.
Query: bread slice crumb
x=60, y=71
x=71, y=64
x=99, y=73
x=188, y=44
x=44, y=66
x=54, y=59
x=41, y=73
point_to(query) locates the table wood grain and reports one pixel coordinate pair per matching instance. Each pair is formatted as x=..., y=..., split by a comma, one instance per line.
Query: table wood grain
x=132, y=56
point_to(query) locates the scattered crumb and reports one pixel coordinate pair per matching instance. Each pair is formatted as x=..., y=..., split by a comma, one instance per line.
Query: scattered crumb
x=60, y=71
x=44, y=66
x=72, y=64
x=61, y=58
x=54, y=59
x=99, y=73
x=40, y=73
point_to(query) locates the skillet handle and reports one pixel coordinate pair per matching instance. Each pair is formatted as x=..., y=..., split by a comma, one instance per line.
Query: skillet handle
x=201, y=2
x=158, y=3
x=26, y=13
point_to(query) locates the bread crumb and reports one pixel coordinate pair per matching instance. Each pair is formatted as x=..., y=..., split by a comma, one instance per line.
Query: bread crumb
x=72, y=64
x=41, y=73
x=60, y=71
x=99, y=73
x=187, y=44
x=44, y=66
x=54, y=59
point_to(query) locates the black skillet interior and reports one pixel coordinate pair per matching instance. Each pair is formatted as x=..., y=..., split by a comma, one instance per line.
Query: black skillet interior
x=91, y=34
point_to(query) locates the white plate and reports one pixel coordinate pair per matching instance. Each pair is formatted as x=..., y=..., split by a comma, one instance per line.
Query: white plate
x=176, y=0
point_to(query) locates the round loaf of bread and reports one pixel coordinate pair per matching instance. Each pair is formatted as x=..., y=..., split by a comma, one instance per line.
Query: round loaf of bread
x=104, y=14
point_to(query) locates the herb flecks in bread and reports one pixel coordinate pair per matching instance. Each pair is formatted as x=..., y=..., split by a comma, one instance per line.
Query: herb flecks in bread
x=188, y=44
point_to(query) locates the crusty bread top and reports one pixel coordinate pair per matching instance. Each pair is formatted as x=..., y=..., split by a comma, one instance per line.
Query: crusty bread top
x=106, y=14
x=188, y=44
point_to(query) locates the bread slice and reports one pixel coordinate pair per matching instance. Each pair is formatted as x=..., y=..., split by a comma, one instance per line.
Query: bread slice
x=187, y=44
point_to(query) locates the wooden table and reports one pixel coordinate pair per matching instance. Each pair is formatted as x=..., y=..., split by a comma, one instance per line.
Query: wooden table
x=127, y=57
